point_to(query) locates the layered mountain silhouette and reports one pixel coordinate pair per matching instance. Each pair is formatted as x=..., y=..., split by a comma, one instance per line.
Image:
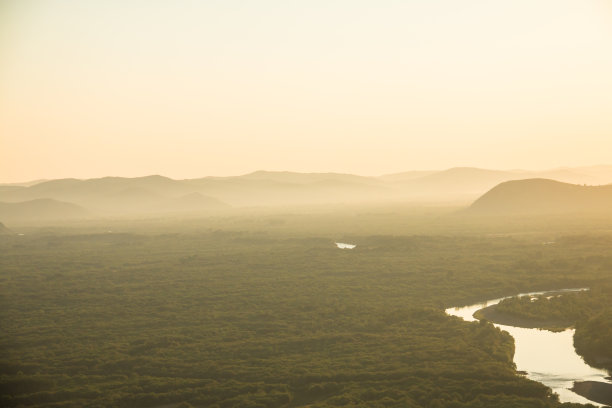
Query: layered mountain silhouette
x=162, y=195
x=119, y=195
x=265, y=188
x=42, y=209
x=543, y=196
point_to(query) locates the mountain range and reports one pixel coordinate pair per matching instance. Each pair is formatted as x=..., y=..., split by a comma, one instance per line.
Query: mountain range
x=110, y=196
x=42, y=209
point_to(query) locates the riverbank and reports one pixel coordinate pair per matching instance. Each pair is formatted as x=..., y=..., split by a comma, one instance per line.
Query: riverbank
x=594, y=390
x=492, y=315
x=545, y=356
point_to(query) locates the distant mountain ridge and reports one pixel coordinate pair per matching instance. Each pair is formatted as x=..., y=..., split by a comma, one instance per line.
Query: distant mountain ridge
x=157, y=194
x=543, y=196
x=118, y=195
x=468, y=183
x=23, y=184
x=42, y=209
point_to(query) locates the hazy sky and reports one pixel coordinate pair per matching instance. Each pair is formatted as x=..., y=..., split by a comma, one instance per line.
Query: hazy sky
x=195, y=88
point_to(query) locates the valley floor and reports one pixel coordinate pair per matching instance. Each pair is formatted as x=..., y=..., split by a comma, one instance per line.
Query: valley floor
x=243, y=312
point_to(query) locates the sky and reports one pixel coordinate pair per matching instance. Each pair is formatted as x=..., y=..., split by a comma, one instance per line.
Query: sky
x=195, y=88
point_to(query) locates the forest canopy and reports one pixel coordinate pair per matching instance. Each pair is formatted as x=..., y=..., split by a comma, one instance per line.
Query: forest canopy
x=263, y=317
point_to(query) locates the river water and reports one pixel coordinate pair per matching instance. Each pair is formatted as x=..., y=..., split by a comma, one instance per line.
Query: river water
x=343, y=245
x=547, y=357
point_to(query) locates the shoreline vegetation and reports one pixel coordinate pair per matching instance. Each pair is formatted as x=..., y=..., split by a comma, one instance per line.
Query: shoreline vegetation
x=595, y=391
x=588, y=312
x=491, y=314
x=592, y=337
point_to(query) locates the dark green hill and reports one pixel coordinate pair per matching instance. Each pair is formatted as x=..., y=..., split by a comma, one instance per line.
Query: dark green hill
x=542, y=196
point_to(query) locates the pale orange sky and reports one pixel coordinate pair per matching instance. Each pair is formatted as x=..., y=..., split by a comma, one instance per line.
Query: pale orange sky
x=195, y=88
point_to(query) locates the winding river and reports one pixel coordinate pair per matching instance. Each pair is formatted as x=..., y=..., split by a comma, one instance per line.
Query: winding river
x=547, y=357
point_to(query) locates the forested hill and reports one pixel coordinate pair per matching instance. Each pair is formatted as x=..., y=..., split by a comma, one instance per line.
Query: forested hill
x=542, y=196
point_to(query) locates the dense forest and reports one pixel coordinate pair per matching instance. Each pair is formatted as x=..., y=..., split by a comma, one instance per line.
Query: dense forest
x=593, y=339
x=272, y=316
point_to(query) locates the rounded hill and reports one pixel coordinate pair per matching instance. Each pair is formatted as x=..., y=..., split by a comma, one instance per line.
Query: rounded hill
x=543, y=196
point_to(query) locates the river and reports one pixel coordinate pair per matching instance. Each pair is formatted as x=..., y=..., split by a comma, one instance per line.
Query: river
x=545, y=356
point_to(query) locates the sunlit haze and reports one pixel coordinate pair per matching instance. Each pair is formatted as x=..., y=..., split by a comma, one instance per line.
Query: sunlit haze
x=194, y=88
x=266, y=203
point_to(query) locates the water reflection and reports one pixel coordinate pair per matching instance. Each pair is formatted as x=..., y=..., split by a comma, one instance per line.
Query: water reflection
x=342, y=245
x=547, y=357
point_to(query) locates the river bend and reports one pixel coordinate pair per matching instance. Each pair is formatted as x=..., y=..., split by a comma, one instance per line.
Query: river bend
x=546, y=357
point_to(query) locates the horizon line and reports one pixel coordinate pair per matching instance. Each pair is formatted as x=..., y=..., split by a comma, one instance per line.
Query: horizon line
x=44, y=179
